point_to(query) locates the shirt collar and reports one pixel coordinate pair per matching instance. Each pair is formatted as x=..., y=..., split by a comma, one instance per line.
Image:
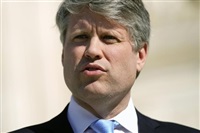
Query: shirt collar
x=128, y=118
x=80, y=119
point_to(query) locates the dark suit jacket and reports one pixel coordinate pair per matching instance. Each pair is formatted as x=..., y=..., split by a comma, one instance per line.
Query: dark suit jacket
x=60, y=124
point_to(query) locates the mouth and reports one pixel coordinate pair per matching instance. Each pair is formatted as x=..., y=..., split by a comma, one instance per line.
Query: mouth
x=93, y=69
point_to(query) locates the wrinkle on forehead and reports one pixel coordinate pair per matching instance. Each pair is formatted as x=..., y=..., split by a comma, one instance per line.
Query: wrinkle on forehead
x=87, y=19
x=88, y=22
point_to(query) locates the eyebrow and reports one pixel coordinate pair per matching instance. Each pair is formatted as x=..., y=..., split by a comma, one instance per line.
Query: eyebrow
x=79, y=31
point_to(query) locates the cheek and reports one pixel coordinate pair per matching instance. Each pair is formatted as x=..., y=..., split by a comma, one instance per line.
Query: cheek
x=123, y=62
x=72, y=56
x=122, y=56
x=71, y=59
x=123, y=69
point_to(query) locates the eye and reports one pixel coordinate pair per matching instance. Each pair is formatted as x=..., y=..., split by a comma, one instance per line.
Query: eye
x=109, y=39
x=81, y=38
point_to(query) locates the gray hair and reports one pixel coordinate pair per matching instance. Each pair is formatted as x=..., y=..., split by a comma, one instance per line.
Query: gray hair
x=130, y=13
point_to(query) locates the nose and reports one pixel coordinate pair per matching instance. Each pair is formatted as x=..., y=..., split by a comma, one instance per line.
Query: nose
x=94, y=49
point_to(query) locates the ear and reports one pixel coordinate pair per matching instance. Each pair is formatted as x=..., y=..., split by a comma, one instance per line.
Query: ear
x=62, y=58
x=141, y=57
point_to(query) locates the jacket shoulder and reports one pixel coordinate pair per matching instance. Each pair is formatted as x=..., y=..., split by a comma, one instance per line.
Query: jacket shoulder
x=147, y=124
x=166, y=127
x=23, y=130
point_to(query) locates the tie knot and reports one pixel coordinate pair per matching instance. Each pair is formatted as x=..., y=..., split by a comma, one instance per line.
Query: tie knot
x=104, y=126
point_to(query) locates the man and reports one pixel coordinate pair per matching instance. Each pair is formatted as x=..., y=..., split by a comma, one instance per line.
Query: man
x=105, y=45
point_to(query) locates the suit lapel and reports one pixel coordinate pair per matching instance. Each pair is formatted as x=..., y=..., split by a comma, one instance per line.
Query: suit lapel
x=145, y=124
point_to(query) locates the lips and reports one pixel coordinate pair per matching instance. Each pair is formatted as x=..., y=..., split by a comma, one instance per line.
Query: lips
x=92, y=70
x=93, y=67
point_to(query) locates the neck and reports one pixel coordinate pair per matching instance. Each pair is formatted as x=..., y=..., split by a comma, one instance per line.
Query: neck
x=105, y=109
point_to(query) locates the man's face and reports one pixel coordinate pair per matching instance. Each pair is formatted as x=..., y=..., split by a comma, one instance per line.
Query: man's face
x=98, y=57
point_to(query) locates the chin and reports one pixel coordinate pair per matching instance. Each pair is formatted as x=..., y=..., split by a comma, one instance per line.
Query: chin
x=96, y=91
x=91, y=91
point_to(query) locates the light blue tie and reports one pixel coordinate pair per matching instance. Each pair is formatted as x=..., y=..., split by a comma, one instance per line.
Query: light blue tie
x=104, y=126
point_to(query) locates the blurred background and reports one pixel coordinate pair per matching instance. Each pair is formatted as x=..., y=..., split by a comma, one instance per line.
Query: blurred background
x=32, y=83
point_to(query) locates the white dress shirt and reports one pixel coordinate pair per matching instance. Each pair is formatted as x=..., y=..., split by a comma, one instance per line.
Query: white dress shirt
x=80, y=119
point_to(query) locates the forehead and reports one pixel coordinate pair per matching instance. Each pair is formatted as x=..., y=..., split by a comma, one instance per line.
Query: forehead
x=87, y=18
